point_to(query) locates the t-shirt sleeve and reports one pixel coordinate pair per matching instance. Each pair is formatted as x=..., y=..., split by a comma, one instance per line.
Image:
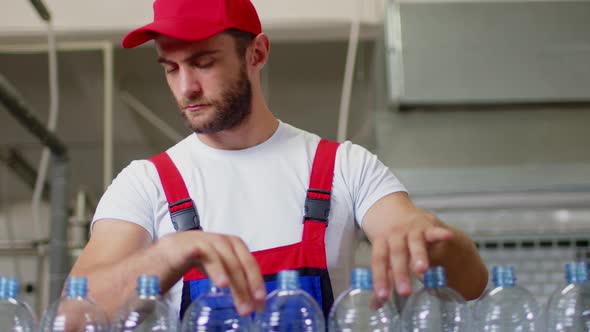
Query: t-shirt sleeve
x=130, y=196
x=367, y=178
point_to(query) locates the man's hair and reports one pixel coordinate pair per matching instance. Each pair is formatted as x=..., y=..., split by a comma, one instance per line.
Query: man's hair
x=242, y=40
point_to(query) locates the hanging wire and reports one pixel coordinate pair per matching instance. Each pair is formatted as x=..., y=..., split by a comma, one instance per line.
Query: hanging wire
x=353, y=40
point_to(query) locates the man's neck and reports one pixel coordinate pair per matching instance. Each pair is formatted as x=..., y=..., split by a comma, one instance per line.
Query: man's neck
x=256, y=129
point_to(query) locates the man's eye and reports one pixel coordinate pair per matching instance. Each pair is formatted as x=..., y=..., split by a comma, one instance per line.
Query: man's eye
x=169, y=69
x=204, y=63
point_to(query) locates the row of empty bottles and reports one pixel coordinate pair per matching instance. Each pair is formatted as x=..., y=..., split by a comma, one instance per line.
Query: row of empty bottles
x=507, y=307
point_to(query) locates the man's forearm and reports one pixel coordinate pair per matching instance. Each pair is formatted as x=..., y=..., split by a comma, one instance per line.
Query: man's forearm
x=112, y=285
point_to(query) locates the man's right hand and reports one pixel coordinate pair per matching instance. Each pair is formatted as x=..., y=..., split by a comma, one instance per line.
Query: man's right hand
x=119, y=251
x=225, y=259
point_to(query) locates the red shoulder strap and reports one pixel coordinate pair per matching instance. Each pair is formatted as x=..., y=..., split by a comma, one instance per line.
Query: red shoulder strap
x=172, y=181
x=322, y=171
x=180, y=205
x=317, y=202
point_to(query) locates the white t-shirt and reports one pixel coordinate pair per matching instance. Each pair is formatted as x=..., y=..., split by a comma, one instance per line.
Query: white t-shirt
x=257, y=194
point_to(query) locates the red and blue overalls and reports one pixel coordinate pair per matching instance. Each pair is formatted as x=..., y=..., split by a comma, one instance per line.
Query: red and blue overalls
x=307, y=256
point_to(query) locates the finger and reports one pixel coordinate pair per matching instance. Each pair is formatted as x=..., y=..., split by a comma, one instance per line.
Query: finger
x=379, y=265
x=207, y=259
x=377, y=302
x=237, y=276
x=399, y=264
x=436, y=234
x=418, y=251
x=252, y=272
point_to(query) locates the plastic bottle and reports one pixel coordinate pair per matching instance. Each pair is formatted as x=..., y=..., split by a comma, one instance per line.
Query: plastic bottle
x=215, y=311
x=436, y=307
x=353, y=311
x=290, y=309
x=75, y=311
x=15, y=316
x=146, y=311
x=507, y=307
x=568, y=308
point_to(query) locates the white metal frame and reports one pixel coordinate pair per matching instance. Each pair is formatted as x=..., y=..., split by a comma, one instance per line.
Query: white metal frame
x=106, y=47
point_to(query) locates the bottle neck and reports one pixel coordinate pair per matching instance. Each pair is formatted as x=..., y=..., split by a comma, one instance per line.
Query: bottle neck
x=362, y=278
x=76, y=287
x=219, y=291
x=148, y=286
x=435, y=278
x=8, y=288
x=504, y=276
x=288, y=280
x=576, y=272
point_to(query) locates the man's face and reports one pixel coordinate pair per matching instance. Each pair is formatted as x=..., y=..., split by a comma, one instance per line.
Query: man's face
x=209, y=82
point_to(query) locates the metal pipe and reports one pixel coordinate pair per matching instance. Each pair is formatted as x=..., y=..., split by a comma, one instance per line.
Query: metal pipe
x=15, y=105
x=20, y=248
x=70, y=46
x=504, y=200
x=11, y=238
x=58, y=255
x=12, y=252
x=108, y=148
x=21, y=167
x=137, y=106
x=395, y=79
x=349, y=74
x=41, y=10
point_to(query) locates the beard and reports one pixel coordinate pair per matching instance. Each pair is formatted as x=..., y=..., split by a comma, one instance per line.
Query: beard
x=229, y=111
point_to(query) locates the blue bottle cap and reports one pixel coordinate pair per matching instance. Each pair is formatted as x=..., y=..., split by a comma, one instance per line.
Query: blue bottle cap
x=576, y=272
x=8, y=288
x=288, y=280
x=435, y=277
x=148, y=285
x=504, y=276
x=76, y=287
x=362, y=278
x=219, y=290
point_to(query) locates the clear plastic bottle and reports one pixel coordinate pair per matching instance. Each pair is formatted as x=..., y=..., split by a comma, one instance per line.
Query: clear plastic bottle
x=215, y=311
x=568, y=308
x=352, y=310
x=146, y=311
x=436, y=308
x=15, y=316
x=290, y=309
x=508, y=307
x=74, y=312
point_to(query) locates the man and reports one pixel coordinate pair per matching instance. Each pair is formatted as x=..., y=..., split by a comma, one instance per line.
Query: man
x=243, y=179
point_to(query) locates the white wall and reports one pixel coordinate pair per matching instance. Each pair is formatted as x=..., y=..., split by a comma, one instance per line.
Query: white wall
x=107, y=17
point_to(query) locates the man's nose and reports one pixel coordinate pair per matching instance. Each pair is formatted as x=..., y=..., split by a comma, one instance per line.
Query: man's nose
x=190, y=86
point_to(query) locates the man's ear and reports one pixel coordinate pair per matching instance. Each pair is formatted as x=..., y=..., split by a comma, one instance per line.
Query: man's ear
x=258, y=51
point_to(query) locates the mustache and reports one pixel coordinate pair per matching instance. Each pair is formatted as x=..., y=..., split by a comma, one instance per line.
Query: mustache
x=189, y=102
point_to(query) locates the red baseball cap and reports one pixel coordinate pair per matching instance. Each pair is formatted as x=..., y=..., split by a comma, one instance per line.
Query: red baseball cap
x=193, y=20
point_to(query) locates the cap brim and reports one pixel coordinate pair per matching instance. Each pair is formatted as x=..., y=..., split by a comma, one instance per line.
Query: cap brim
x=177, y=28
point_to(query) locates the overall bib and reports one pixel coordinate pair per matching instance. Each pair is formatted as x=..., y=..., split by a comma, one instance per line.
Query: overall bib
x=307, y=256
